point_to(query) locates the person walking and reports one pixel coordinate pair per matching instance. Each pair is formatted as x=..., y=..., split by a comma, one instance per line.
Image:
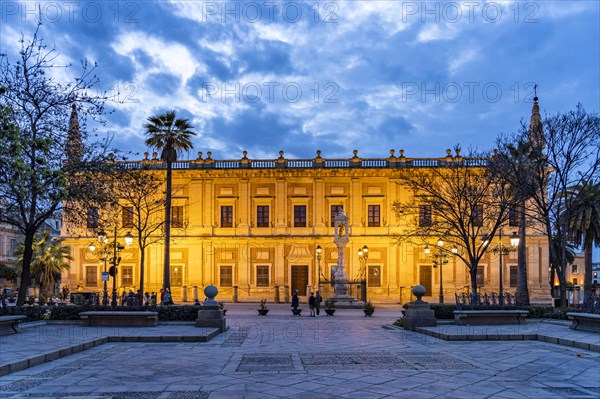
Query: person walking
x=295, y=302
x=318, y=300
x=311, y=304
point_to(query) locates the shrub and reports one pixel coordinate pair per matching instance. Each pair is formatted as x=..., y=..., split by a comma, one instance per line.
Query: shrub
x=399, y=323
x=441, y=311
x=33, y=313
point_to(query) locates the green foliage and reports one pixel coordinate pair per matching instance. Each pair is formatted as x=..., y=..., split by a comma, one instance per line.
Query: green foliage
x=330, y=303
x=549, y=312
x=369, y=307
x=165, y=313
x=399, y=323
x=263, y=304
x=33, y=313
x=7, y=272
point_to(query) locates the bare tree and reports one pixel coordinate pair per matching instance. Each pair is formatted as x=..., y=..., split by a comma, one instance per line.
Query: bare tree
x=460, y=201
x=143, y=205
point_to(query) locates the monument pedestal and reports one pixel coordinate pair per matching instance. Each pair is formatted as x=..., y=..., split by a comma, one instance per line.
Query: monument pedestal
x=211, y=316
x=210, y=313
x=419, y=313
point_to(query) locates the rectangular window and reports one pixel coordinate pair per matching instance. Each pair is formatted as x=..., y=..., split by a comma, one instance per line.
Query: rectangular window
x=575, y=281
x=226, y=276
x=262, y=216
x=92, y=218
x=513, y=217
x=299, y=215
x=12, y=247
x=176, y=276
x=424, y=215
x=574, y=269
x=374, y=276
x=177, y=216
x=479, y=278
x=91, y=276
x=262, y=276
x=477, y=216
x=373, y=216
x=335, y=209
x=127, y=216
x=126, y=275
x=513, y=276
x=227, y=216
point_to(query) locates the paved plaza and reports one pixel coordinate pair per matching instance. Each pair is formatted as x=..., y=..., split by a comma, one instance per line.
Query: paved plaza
x=280, y=356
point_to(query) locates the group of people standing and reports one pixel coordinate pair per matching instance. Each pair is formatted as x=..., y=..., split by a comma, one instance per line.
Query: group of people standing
x=314, y=303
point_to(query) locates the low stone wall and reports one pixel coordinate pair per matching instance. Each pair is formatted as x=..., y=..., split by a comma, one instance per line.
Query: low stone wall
x=119, y=319
x=490, y=317
x=584, y=321
x=9, y=324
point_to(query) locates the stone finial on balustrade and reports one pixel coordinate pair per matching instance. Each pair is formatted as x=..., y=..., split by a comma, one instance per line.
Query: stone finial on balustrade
x=244, y=162
x=145, y=160
x=457, y=157
x=448, y=157
x=280, y=162
x=199, y=160
x=355, y=161
x=401, y=157
x=318, y=161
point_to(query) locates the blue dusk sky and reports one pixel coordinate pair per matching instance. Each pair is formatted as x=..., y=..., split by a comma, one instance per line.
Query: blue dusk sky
x=264, y=76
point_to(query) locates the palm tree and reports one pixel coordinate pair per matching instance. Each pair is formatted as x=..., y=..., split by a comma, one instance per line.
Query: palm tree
x=50, y=258
x=170, y=136
x=584, y=224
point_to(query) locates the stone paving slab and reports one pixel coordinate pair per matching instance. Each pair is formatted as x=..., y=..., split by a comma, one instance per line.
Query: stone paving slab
x=277, y=357
x=552, y=332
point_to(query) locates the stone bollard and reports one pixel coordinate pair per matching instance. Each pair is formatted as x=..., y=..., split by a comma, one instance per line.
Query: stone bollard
x=210, y=314
x=419, y=313
x=576, y=293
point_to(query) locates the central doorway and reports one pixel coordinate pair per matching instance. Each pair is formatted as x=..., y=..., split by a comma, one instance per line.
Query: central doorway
x=299, y=279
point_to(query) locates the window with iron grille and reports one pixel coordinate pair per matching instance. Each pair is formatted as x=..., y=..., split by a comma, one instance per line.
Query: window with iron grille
x=373, y=216
x=477, y=216
x=335, y=209
x=374, y=276
x=91, y=276
x=479, y=279
x=513, y=276
x=424, y=215
x=176, y=276
x=226, y=276
x=227, y=216
x=92, y=218
x=514, y=218
x=126, y=275
x=127, y=216
x=177, y=216
x=262, y=216
x=262, y=276
x=299, y=215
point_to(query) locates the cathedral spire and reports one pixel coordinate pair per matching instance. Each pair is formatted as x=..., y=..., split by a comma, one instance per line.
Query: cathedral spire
x=74, y=146
x=536, y=132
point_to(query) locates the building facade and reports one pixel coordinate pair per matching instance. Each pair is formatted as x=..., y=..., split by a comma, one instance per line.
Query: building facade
x=252, y=227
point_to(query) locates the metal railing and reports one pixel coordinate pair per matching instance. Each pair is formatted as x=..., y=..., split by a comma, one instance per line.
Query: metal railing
x=484, y=301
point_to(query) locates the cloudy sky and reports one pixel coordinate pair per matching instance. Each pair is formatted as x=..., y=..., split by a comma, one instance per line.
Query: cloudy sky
x=264, y=76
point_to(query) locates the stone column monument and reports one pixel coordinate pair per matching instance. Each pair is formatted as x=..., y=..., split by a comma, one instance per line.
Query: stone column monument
x=340, y=278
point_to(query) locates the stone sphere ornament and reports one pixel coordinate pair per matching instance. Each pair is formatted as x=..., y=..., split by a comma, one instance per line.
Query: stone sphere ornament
x=419, y=291
x=211, y=292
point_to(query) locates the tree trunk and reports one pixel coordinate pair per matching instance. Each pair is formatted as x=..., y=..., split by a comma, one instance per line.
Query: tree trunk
x=167, y=261
x=522, y=289
x=142, y=264
x=26, y=265
x=473, y=274
x=587, y=278
x=563, y=288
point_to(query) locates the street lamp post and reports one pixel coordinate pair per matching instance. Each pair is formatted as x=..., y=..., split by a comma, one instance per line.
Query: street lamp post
x=103, y=240
x=363, y=255
x=501, y=250
x=440, y=263
x=319, y=251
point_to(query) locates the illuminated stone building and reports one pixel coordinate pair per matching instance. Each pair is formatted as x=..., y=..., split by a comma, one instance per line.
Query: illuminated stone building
x=251, y=227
